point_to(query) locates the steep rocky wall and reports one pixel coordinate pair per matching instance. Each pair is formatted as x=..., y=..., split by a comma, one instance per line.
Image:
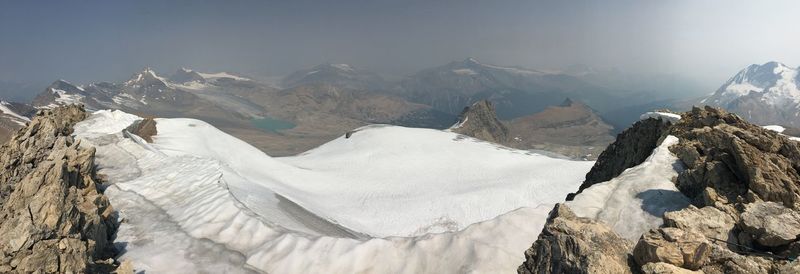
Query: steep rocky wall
x=53, y=219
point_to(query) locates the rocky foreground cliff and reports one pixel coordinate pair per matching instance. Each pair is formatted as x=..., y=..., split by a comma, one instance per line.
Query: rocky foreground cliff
x=53, y=218
x=744, y=184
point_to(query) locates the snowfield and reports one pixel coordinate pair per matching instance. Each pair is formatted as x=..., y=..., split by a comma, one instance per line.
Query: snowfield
x=387, y=199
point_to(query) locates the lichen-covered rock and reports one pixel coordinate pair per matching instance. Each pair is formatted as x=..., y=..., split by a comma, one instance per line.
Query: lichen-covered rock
x=771, y=224
x=570, y=244
x=684, y=248
x=53, y=219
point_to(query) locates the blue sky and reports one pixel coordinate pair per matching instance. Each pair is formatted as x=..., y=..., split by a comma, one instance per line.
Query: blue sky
x=86, y=41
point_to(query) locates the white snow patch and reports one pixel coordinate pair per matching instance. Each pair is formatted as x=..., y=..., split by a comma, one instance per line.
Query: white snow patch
x=329, y=209
x=635, y=201
x=19, y=119
x=664, y=116
x=222, y=75
x=65, y=98
x=776, y=128
x=344, y=67
x=464, y=72
x=459, y=124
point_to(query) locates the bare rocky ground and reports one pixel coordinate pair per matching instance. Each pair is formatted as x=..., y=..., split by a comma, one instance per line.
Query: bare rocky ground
x=54, y=218
x=744, y=184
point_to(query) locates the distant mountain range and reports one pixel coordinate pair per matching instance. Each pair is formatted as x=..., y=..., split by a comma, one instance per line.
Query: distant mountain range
x=327, y=100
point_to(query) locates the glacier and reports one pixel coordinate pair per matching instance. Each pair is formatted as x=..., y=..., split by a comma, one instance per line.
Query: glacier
x=386, y=199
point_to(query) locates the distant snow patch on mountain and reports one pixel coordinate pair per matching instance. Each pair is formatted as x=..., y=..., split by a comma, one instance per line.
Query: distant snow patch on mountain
x=19, y=119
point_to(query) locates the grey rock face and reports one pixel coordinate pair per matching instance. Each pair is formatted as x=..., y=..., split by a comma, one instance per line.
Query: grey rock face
x=569, y=244
x=53, y=218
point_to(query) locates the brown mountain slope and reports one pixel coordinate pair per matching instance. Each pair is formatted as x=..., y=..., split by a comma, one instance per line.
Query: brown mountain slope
x=572, y=129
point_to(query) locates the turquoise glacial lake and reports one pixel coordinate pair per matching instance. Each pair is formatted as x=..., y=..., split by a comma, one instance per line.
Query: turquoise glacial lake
x=271, y=125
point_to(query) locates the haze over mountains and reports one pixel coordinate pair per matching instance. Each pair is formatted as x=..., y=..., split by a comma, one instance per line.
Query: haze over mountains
x=321, y=102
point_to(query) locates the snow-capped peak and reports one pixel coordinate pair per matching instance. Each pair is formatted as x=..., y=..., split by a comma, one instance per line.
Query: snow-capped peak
x=147, y=75
x=774, y=82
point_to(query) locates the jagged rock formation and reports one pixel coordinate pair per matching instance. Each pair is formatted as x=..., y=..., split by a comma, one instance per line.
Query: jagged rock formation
x=570, y=244
x=145, y=128
x=480, y=121
x=53, y=218
x=631, y=148
x=744, y=184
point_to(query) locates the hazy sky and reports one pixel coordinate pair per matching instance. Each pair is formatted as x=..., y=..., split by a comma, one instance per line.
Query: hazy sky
x=88, y=41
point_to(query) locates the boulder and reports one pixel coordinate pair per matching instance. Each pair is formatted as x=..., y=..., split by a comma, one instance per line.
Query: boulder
x=771, y=224
x=684, y=248
x=665, y=268
x=708, y=221
x=570, y=244
x=145, y=128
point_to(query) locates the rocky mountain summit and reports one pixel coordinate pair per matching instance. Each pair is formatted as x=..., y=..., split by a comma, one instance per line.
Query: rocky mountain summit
x=53, y=218
x=744, y=186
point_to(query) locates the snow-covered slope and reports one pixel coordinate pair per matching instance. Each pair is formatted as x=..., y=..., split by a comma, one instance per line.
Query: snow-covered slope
x=765, y=94
x=366, y=203
x=635, y=201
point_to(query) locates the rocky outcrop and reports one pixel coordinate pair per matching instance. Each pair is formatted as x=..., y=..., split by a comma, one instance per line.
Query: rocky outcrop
x=145, y=128
x=730, y=160
x=684, y=248
x=744, y=184
x=770, y=224
x=53, y=218
x=480, y=121
x=630, y=149
x=569, y=244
